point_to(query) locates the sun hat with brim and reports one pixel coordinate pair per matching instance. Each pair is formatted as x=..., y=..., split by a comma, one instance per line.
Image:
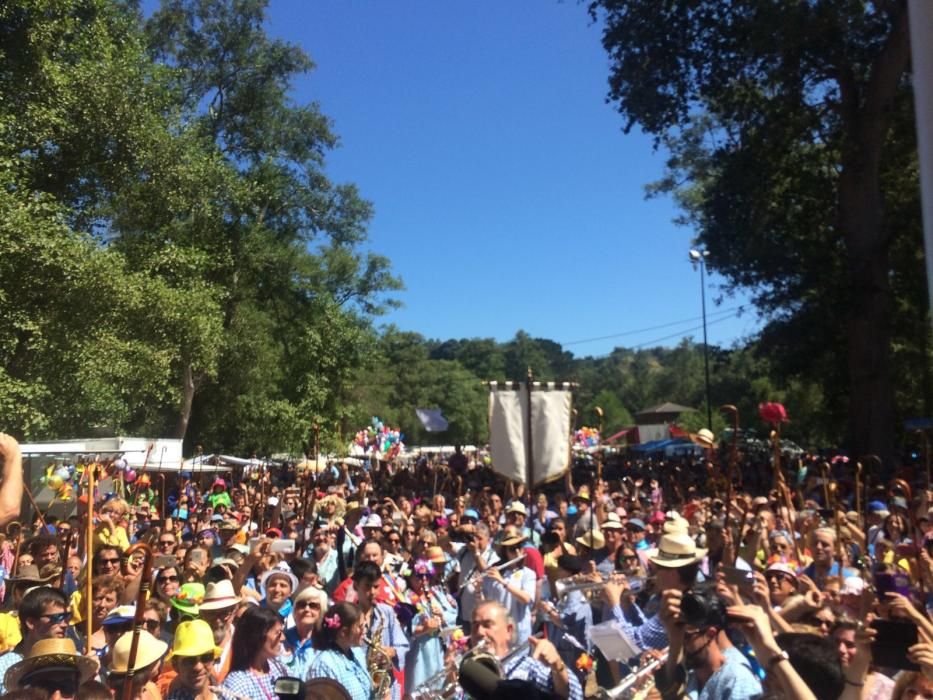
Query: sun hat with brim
x=635, y=524
x=675, y=550
x=612, y=522
x=512, y=541
x=592, y=539
x=148, y=652
x=120, y=615
x=29, y=573
x=436, y=555
x=229, y=525
x=194, y=638
x=516, y=507
x=582, y=495
x=52, y=655
x=704, y=438
x=219, y=596
x=188, y=598
x=265, y=578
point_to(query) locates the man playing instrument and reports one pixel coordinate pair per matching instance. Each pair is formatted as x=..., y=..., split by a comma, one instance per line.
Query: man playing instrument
x=513, y=585
x=376, y=616
x=479, y=556
x=543, y=667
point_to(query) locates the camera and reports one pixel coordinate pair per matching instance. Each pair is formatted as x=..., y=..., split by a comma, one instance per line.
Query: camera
x=701, y=607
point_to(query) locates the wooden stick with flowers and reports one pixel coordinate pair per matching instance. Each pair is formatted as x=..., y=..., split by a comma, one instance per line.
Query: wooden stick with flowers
x=775, y=414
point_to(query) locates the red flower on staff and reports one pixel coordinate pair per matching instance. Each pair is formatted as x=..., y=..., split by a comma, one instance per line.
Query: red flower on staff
x=773, y=413
x=585, y=663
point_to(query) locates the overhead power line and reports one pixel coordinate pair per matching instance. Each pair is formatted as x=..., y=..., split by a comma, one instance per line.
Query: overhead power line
x=727, y=313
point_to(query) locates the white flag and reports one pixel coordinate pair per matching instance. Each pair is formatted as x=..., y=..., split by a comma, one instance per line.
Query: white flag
x=432, y=419
x=550, y=433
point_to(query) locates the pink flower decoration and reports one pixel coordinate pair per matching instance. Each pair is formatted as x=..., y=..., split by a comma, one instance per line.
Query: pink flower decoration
x=773, y=413
x=332, y=622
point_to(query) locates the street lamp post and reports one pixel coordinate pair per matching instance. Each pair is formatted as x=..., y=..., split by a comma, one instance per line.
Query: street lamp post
x=698, y=257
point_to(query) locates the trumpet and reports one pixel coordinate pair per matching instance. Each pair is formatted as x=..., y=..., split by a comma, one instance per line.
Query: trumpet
x=443, y=684
x=630, y=687
x=475, y=578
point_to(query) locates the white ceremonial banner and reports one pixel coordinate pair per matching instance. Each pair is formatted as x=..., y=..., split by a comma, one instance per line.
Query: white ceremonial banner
x=507, y=433
x=550, y=433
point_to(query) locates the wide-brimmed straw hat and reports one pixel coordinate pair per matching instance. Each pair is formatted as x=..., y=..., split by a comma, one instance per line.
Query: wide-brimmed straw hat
x=148, y=652
x=436, y=555
x=51, y=655
x=674, y=550
x=29, y=573
x=219, y=596
x=592, y=539
x=704, y=438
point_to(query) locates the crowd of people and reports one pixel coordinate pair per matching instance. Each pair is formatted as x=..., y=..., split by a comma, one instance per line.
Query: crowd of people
x=809, y=581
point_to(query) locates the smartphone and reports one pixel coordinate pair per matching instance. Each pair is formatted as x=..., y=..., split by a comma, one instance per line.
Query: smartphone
x=197, y=556
x=907, y=549
x=742, y=578
x=283, y=546
x=163, y=561
x=891, y=583
x=892, y=640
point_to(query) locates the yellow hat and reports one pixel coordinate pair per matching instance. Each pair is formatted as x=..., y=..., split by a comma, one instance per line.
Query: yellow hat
x=194, y=638
x=148, y=652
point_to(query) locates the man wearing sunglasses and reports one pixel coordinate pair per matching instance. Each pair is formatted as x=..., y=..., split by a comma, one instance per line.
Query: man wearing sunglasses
x=42, y=615
x=193, y=655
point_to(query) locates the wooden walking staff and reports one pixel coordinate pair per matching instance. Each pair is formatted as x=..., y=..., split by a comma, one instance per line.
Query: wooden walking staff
x=781, y=483
x=599, y=443
x=142, y=470
x=89, y=556
x=140, y=617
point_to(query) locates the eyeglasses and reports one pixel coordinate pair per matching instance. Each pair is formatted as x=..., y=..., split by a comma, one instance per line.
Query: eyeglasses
x=166, y=543
x=167, y=579
x=50, y=683
x=307, y=604
x=630, y=557
x=206, y=658
x=394, y=540
x=57, y=618
x=152, y=625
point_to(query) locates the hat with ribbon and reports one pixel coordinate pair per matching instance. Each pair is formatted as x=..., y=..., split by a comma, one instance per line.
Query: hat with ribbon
x=219, y=596
x=54, y=655
x=516, y=507
x=674, y=550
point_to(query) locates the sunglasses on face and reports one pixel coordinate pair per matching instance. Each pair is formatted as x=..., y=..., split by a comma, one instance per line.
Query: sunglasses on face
x=58, y=618
x=394, y=540
x=167, y=579
x=308, y=604
x=207, y=658
x=115, y=560
x=152, y=625
x=67, y=686
x=166, y=543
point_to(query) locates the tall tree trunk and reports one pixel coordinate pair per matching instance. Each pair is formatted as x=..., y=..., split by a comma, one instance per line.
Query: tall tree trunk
x=187, y=400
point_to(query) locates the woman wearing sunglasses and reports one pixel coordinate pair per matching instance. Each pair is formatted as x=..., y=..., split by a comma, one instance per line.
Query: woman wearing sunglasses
x=298, y=649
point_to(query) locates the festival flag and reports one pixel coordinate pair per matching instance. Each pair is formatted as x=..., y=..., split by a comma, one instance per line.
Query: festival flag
x=549, y=444
x=432, y=419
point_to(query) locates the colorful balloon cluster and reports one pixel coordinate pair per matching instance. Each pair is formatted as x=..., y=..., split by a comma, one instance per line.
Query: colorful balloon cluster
x=380, y=438
x=61, y=479
x=586, y=437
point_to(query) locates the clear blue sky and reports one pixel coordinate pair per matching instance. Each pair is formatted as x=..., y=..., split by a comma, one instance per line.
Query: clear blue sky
x=506, y=194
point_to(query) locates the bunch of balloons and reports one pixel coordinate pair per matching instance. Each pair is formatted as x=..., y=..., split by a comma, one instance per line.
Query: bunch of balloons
x=586, y=437
x=60, y=478
x=378, y=437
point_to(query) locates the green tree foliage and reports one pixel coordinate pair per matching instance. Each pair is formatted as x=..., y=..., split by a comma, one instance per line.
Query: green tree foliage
x=791, y=140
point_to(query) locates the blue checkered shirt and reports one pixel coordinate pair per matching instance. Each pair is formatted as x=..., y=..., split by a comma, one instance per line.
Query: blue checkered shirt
x=251, y=685
x=350, y=671
x=526, y=668
x=648, y=635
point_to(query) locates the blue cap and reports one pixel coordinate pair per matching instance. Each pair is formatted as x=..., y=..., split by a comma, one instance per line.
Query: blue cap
x=470, y=513
x=636, y=523
x=876, y=506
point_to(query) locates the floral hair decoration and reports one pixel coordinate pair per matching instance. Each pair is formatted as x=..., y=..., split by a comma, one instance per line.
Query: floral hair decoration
x=423, y=567
x=332, y=622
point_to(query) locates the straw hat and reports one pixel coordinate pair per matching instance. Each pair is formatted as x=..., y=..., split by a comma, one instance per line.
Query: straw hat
x=219, y=595
x=583, y=494
x=516, y=507
x=592, y=539
x=612, y=522
x=149, y=651
x=512, y=540
x=29, y=573
x=436, y=555
x=704, y=438
x=674, y=550
x=193, y=638
x=54, y=655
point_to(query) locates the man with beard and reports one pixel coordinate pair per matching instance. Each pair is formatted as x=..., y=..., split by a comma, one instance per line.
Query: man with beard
x=701, y=662
x=217, y=610
x=325, y=559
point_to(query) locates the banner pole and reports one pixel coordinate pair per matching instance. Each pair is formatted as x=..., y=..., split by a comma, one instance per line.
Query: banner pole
x=529, y=445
